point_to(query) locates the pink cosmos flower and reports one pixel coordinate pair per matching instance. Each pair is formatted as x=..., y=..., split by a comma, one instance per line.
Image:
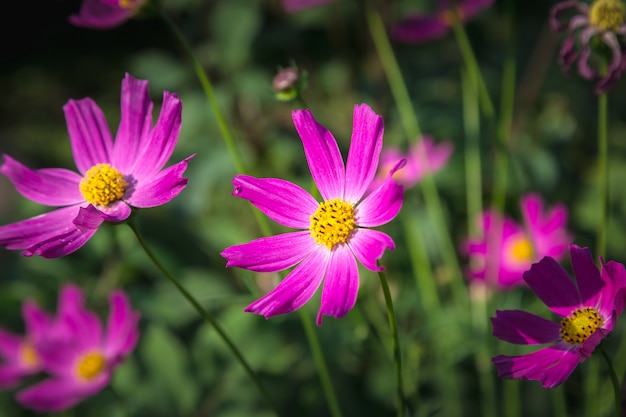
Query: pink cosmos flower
x=506, y=249
x=81, y=362
x=588, y=309
x=293, y=6
x=114, y=175
x=423, y=158
x=335, y=233
x=422, y=28
x=105, y=14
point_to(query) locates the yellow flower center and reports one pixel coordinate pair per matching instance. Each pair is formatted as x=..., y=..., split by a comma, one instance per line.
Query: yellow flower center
x=102, y=185
x=522, y=250
x=332, y=222
x=607, y=14
x=451, y=15
x=28, y=354
x=580, y=325
x=90, y=365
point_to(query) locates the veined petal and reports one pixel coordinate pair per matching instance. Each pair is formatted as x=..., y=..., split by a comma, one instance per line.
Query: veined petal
x=53, y=395
x=161, y=141
x=116, y=212
x=25, y=233
x=161, y=188
x=322, y=155
x=383, y=204
x=418, y=29
x=60, y=245
x=296, y=289
x=341, y=285
x=50, y=186
x=590, y=283
x=135, y=124
x=551, y=366
x=369, y=245
x=122, y=333
x=365, y=147
x=520, y=327
x=282, y=201
x=271, y=254
x=551, y=283
x=89, y=134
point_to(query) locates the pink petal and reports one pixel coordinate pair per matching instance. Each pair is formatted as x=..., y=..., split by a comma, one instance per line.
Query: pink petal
x=161, y=188
x=271, y=254
x=86, y=327
x=122, y=333
x=612, y=297
x=23, y=234
x=54, y=395
x=369, y=246
x=282, y=201
x=135, y=124
x=51, y=186
x=383, y=204
x=37, y=320
x=549, y=280
x=365, y=147
x=322, y=155
x=89, y=134
x=418, y=29
x=98, y=14
x=470, y=8
x=515, y=326
x=297, y=5
x=341, y=285
x=11, y=375
x=296, y=289
x=590, y=283
x=10, y=344
x=116, y=212
x=551, y=366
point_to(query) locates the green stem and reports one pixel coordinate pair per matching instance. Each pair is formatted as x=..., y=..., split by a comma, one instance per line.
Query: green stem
x=395, y=341
x=320, y=363
x=603, y=175
x=615, y=381
x=207, y=318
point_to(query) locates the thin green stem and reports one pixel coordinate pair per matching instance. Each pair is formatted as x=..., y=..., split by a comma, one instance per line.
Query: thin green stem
x=207, y=317
x=603, y=174
x=395, y=341
x=615, y=381
x=320, y=363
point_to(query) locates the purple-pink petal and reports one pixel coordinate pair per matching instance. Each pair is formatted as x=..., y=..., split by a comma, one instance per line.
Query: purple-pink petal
x=383, y=204
x=271, y=254
x=557, y=9
x=160, y=188
x=51, y=186
x=588, y=279
x=53, y=395
x=135, y=124
x=116, y=212
x=292, y=6
x=282, y=201
x=613, y=298
x=551, y=283
x=60, y=245
x=322, y=155
x=36, y=320
x=365, y=147
x=11, y=375
x=470, y=8
x=10, y=344
x=100, y=14
x=89, y=133
x=25, y=233
x=520, y=327
x=121, y=333
x=369, y=246
x=418, y=29
x=341, y=285
x=296, y=289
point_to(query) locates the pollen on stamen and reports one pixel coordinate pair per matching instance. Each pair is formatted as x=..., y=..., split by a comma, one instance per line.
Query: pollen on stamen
x=522, y=250
x=90, y=365
x=102, y=185
x=580, y=325
x=607, y=14
x=332, y=223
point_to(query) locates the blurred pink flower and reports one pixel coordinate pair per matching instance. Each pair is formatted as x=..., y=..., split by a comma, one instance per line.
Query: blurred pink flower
x=601, y=23
x=336, y=232
x=105, y=14
x=588, y=310
x=424, y=156
x=293, y=6
x=422, y=28
x=505, y=250
x=80, y=363
x=115, y=176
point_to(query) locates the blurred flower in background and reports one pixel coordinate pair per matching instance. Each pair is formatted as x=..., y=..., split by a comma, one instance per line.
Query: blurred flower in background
x=506, y=249
x=114, y=175
x=424, y=157
x=590, y=31
x=336, y=232
x=422, y=28
x=106, y=14
x=83, y=355
x=297, y=5
x=588, y=309
x=289, y=83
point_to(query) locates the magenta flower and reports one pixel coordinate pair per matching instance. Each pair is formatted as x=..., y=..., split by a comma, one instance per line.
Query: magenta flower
x=588, y=309
x=601, y=22
x=505, y=250
x=293, y=6
x=335, y=233
x=114, y=175
x=423, y=158
x=105, y=14
x=80, y=364
x=422, y=28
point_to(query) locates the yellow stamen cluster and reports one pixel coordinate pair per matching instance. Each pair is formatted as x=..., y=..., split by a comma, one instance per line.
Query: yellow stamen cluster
x=580, y=325
x=90, y=365
x=102, y=185
x=332, y=222
x=607, y=14
x=28, y=354
x=522, y=250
